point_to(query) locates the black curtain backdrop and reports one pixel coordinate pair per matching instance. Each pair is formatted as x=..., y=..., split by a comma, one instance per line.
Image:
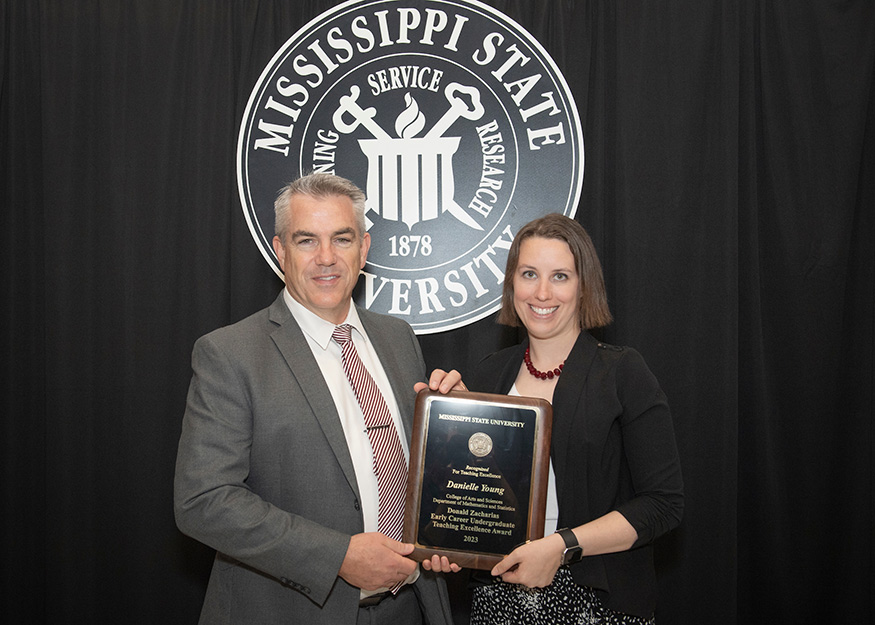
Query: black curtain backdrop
x=729, y=188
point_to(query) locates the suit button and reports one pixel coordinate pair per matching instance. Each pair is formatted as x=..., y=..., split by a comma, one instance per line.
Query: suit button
x=357, y=505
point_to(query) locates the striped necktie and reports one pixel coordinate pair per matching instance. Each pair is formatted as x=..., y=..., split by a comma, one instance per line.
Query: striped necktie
x=390, y=466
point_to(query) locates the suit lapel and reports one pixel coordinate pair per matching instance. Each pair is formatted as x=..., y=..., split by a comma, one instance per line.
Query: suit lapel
x=569, y=402
x=509, y=371
x=293, y=346
x=394, y=369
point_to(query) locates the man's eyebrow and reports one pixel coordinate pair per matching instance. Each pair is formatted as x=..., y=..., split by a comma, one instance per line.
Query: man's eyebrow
x=306, y=234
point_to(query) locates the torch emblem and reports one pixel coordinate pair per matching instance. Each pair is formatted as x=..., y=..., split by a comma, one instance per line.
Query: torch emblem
x=410, y=178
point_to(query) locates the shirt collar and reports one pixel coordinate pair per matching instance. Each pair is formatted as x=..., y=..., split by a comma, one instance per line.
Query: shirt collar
x=318, y=329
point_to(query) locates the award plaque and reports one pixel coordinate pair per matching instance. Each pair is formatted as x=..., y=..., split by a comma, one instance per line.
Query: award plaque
x=477, y=486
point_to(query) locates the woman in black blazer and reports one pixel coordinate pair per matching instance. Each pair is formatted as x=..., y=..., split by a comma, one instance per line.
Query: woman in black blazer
x=615, y=475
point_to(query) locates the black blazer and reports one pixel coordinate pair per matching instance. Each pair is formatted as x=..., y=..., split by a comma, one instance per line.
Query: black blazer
x=612, y=448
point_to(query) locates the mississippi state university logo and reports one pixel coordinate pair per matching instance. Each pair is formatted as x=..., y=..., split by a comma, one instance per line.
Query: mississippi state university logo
x=451, y=117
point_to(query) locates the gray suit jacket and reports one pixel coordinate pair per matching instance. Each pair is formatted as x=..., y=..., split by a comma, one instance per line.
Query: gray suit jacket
x=264, y=475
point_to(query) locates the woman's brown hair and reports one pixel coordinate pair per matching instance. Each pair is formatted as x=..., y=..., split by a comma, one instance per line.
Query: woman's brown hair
x=593, y=308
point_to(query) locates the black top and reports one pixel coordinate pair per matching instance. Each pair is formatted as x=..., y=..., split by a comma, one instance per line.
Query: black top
x=612, y=448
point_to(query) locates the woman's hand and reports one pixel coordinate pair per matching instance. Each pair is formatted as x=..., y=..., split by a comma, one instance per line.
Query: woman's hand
x=440, y=564
x=442, y=381
x=534, y=564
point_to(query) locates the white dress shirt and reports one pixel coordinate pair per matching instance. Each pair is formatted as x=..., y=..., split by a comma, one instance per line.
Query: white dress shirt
x=328, y=356
x=551, y=517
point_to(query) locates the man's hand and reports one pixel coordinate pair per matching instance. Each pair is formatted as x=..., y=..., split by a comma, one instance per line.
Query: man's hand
x=374, y=560
x=442, y=381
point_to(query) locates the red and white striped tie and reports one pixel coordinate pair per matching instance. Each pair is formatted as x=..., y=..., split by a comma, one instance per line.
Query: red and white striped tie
x=390, y=466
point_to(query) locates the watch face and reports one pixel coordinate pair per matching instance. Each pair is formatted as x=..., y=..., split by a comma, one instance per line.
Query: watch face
x=572, y=555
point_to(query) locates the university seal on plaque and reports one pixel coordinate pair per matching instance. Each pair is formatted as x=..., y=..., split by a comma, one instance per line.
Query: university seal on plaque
x=453, y=119
x=480, y=444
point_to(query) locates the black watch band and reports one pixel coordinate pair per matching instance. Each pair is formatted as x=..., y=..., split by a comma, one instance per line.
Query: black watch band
x=573, y=551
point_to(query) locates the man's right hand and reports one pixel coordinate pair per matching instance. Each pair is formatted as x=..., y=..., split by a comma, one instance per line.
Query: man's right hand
x=373, y=560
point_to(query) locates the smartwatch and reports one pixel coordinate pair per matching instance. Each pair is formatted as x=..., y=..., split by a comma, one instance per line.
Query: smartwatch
x=573, y=551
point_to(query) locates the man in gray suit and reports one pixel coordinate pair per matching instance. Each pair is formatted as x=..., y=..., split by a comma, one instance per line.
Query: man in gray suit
x=275, y=468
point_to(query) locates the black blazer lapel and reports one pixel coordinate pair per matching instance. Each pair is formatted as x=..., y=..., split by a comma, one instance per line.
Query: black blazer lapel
x=507, y=371
x=569, y=402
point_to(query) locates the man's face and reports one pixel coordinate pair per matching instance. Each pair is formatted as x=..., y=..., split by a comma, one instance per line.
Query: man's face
x=322, y=254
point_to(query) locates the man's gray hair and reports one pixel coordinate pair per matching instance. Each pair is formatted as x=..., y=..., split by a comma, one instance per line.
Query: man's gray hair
x=317, y=185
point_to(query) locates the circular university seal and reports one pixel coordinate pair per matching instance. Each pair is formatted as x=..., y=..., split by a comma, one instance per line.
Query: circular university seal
x=480, y=444
x=451, y=117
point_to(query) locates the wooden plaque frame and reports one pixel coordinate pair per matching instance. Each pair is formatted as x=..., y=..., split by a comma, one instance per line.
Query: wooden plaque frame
x=477, y=485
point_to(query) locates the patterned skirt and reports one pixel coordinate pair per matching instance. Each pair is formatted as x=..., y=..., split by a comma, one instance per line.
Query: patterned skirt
x=561, y=603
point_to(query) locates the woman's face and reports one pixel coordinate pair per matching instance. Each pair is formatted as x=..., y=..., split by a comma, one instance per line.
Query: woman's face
x=546, y=289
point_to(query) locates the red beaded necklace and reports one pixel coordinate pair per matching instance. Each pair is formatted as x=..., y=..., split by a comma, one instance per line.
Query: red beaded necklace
x=543, y=375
